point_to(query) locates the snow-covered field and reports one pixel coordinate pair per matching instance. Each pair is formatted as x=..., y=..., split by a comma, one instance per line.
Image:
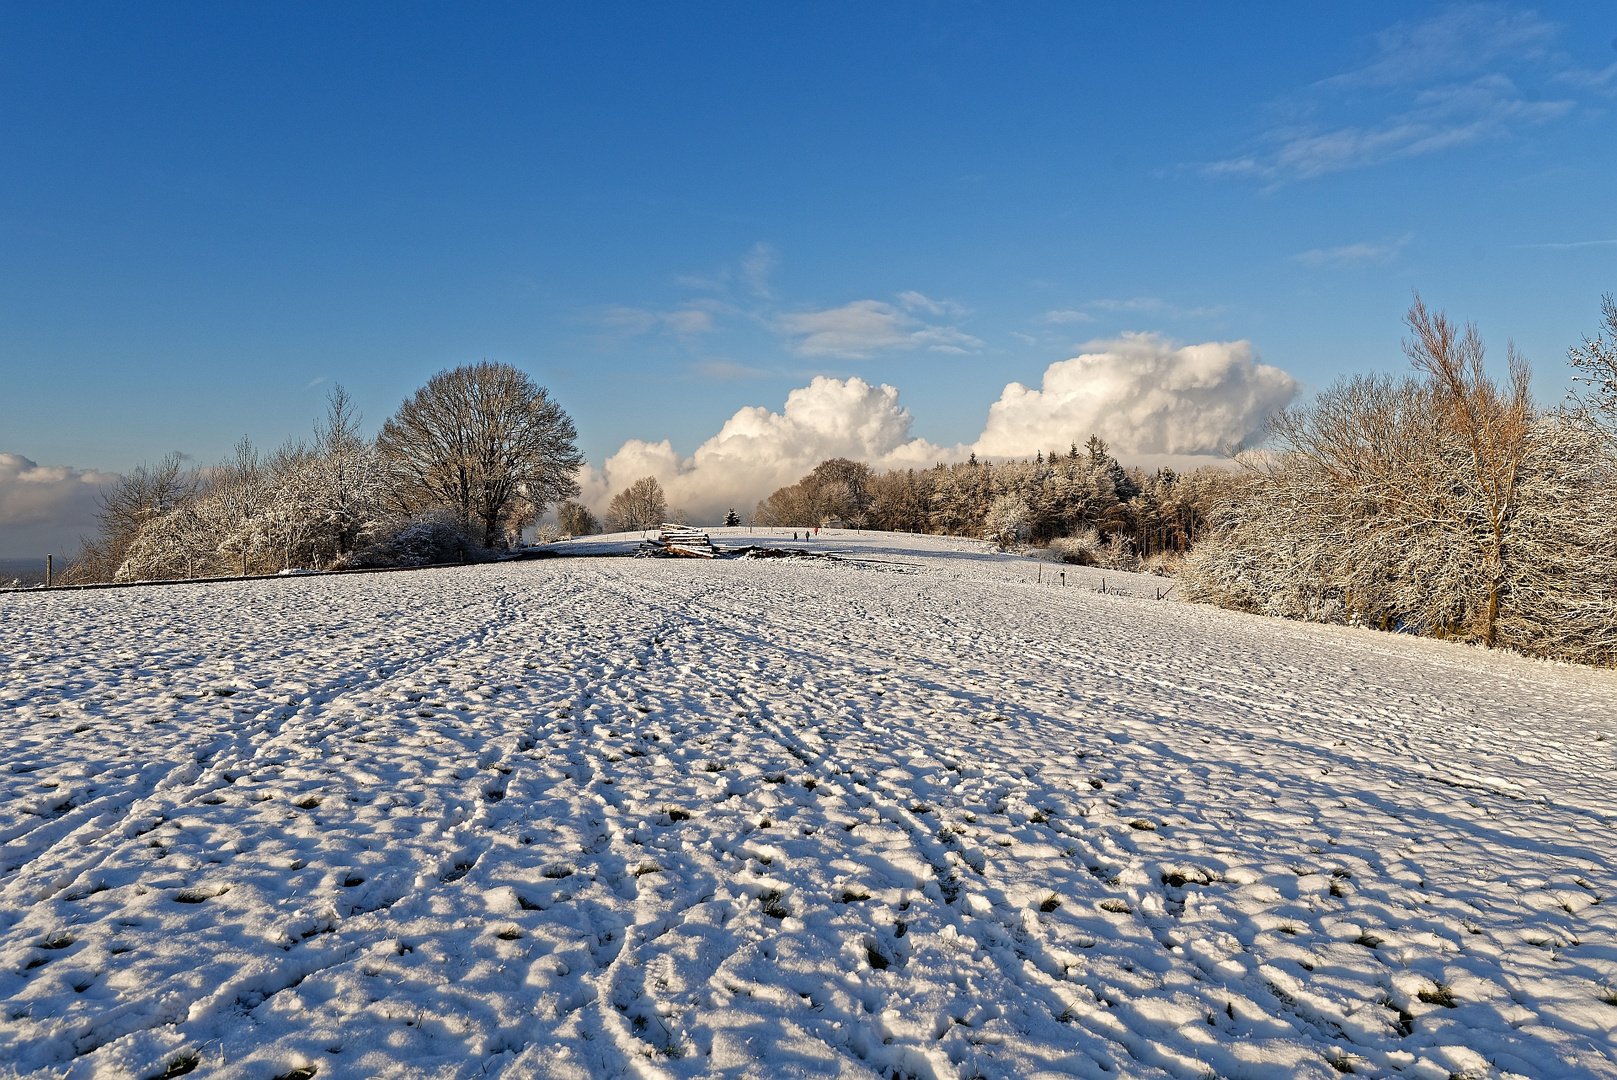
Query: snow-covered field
x=915, y=816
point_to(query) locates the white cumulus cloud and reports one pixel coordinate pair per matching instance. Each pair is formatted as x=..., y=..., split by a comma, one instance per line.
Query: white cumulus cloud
x=45, y=508
x=758, y=450
x=1146, y=395
x=1154, y=400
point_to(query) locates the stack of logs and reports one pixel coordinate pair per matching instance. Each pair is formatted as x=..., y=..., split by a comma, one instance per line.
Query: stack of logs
x=683, y=542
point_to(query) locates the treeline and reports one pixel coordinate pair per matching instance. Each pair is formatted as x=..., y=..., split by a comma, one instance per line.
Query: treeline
x=1082, y=499
x=1441, y=503
x=458, y=472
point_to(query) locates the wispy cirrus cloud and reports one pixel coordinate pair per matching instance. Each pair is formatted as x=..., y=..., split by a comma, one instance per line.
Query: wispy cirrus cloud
x=915, y=301
x=862, y=328
x=1360, y=254
x=1064, y=316
x=1568, y=247
x=742, y=294
x=1469, y=74
x=1153, y=304
x=756, y=267
x=630, y=321
x=724, y=371
x=1143, y=305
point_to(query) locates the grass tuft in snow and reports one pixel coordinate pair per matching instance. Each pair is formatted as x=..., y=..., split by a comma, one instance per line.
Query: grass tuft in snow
x=193, y=896
x=1369, y=941
x=1050, y=903
x=304, y=1072
x=1440, y=994
x=179, y=1066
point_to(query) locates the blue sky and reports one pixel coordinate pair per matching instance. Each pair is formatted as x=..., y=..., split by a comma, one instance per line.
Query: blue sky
x=210, y=213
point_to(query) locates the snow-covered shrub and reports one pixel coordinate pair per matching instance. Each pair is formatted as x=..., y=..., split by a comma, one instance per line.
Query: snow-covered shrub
x=1162, y=563
x=430, y=539
x=546, y=533
x=1084, y=549
x=1007, y=521
x=1088, y=548
x=1118, y=553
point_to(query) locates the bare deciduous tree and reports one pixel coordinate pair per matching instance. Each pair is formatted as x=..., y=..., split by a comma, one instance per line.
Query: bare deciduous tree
x=483, y=440
x=575, y=519
x=641, y=505
x=1596, y=362
x=146, y=494
x=1444, y=504
x=1491, y=424
x=837, y=489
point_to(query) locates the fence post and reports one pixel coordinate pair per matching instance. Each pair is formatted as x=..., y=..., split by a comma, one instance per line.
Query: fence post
x=48, y=559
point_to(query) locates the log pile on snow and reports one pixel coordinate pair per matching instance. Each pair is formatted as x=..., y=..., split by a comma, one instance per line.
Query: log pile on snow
x=682, y=542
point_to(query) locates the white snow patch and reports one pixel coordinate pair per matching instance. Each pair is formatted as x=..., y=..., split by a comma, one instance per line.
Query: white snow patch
x=908, y=814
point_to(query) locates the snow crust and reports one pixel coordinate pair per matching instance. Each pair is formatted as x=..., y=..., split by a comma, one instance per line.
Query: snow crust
x=911, y=814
